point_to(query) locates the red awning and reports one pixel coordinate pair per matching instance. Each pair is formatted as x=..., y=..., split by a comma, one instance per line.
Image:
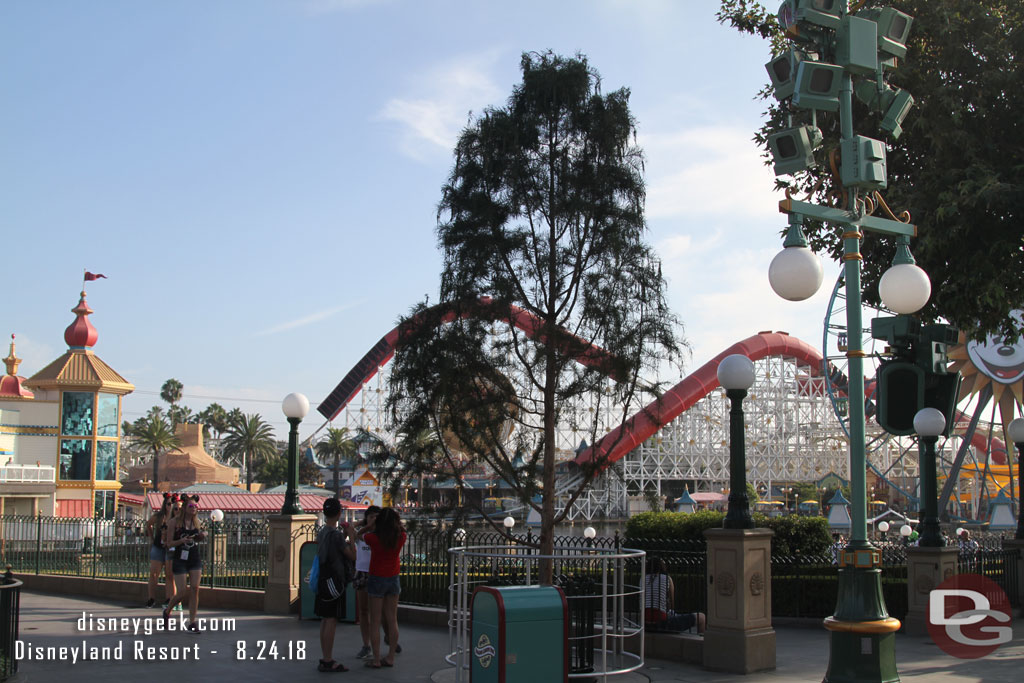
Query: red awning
x=311, y=503
x=130, y=498
x=73, y=508
x=707, y=497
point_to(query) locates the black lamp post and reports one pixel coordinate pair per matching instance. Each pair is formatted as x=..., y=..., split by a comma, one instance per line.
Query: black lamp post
x=295, y=407
x=929, y=423
x=736, y=375
x=1016, y=433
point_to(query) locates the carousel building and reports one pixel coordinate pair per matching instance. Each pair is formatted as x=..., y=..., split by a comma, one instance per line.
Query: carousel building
x=62, y=426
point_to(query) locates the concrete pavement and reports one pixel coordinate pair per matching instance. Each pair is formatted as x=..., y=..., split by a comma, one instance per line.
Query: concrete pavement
x=255, y=647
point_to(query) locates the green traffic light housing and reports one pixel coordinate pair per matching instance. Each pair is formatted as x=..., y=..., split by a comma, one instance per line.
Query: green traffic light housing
x=782, y=71
x=897, y=110
x=824, y=13
x=817, y=86
x=893, y=29
x=894, y=102
x=863, y=163
x=793, y=149
x=900, y=395
x=857, y=45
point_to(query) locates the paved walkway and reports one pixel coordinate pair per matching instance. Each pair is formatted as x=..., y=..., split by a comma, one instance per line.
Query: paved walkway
x=229, y=656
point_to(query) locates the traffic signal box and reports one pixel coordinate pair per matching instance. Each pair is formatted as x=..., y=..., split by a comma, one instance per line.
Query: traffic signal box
x=917, y=376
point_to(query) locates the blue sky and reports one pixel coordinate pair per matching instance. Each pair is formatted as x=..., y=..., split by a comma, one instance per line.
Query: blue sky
x=259, y=178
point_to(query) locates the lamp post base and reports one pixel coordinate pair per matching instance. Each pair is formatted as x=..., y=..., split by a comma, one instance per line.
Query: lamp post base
x=926, y=569
x=739, y=636
x=1018, y=545
x=863, y=635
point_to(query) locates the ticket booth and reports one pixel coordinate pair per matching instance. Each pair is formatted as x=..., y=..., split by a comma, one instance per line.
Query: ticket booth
x=520, y=634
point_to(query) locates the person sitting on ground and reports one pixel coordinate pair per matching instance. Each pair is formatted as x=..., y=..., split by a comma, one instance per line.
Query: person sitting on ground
x=660, y=596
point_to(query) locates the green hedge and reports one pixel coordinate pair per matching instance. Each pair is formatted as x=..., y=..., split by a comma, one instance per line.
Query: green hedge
x=793, y=533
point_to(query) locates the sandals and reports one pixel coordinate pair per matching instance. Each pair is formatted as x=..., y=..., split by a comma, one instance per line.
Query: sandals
x=331, y=666
x=370, y=665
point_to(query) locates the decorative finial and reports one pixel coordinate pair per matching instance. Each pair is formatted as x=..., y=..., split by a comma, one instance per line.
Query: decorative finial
x=81, y=333
x=12, y=362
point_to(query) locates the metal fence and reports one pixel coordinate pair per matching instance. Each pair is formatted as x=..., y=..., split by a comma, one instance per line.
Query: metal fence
x=234, y=554
x=10, y=608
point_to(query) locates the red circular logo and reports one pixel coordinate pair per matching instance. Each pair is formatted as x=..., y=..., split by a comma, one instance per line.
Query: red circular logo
x=969, y=616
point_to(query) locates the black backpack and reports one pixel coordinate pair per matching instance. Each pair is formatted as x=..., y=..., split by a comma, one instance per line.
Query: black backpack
x=336, y=570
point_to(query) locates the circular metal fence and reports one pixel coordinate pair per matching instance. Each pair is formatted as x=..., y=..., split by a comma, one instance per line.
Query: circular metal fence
x=603, y=589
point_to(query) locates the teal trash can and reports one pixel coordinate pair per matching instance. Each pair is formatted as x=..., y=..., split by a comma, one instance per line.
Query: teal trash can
x=306, y=595
x=520, y=634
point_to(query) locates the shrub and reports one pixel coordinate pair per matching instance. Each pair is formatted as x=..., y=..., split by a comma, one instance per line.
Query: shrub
x=808, y=535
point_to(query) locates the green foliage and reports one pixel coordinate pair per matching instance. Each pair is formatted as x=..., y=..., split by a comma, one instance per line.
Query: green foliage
x=171, y=391
x=793, y=533
x=336, y=446
x=152, y=433
x=542, y=216
x=251, y=440
x=956, y=168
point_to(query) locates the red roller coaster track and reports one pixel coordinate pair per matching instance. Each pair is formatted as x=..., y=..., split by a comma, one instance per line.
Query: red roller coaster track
x=637, y=429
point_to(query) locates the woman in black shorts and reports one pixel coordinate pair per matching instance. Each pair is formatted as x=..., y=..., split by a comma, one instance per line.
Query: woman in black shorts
x=183, y=538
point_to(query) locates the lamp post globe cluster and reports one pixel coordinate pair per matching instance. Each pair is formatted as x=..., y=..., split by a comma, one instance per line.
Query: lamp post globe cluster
x=829, y=45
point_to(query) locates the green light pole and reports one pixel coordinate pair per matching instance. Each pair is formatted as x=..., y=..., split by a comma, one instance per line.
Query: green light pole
x=929, y=423
x=295, y=407
x=862, y=634
x=736, y=375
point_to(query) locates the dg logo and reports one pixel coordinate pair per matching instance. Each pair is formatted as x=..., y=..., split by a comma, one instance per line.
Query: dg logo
x=484, y=651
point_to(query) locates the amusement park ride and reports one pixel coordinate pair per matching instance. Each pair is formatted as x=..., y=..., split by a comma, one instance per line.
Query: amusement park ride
x=796, y=425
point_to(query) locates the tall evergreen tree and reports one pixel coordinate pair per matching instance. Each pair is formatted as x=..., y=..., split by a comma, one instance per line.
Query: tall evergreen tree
x=542, y=215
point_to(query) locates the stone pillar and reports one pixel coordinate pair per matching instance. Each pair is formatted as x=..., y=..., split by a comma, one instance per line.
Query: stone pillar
x=282, y=594
x=739, y=637
x=1018, y=545
x=926, y=569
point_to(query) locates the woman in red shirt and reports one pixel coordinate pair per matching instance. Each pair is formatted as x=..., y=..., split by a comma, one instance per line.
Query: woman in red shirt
x=385, y=536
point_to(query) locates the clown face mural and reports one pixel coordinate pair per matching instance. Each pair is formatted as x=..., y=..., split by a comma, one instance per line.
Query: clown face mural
x=1001, y=362
x=997, y=366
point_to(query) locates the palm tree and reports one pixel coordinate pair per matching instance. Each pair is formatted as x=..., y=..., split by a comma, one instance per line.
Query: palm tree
x=216, y=418
x=338, y=444
x=180, y=415
x=153, y=433
x=171, y=391
x=251, y=438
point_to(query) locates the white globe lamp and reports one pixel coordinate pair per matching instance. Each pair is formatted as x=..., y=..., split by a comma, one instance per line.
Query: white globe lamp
x=795, y=273
x=905, y=288
x=905, y=530
x=590, y=532
x=736, y=372
x=217, y=515
x=883, y=527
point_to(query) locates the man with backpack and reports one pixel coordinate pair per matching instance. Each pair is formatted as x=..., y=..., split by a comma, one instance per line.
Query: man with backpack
x=335, y=555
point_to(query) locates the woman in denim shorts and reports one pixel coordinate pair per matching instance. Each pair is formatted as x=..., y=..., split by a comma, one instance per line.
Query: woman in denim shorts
x=155, y=528
x=385, y=536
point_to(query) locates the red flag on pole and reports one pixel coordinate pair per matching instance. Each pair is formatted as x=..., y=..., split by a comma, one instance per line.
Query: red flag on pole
x=94, y=276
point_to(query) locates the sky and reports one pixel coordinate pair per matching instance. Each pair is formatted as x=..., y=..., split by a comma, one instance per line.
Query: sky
x=259, y=179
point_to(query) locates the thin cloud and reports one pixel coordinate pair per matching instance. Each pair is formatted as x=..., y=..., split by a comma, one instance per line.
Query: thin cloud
x=707, y=170
x=431, y=120
x=305, y=320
